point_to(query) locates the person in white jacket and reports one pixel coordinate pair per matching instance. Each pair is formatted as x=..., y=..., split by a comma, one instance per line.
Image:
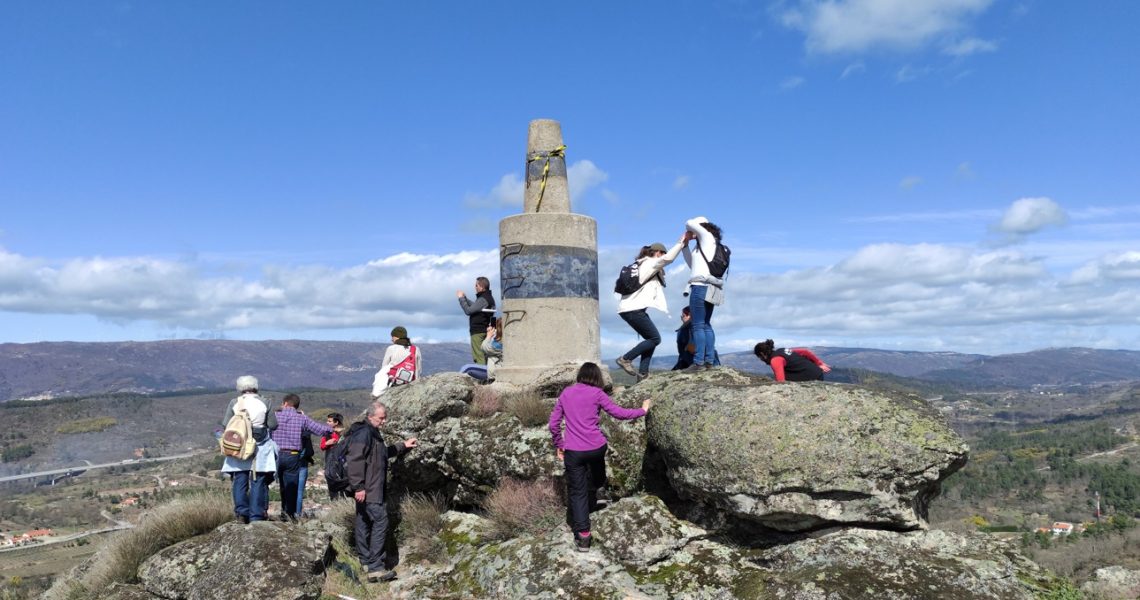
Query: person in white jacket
x=704, y=291
x=401, y=363
x=633, y=307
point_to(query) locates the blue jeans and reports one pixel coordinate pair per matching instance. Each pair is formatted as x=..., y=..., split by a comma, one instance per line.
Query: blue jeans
x=251, y=498
x=477, y=371
x=704, y=340
x=641, y=323
x=288, y=468
x=302, y=477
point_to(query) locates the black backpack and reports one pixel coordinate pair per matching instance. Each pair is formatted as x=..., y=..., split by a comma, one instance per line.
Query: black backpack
x=336, y=473
x=719, y=263
x=629, y=279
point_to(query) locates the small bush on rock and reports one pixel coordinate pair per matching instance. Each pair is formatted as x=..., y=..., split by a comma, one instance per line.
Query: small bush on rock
x=531, y=409
x=420, y=522
x=484, y=402
x=518, y=507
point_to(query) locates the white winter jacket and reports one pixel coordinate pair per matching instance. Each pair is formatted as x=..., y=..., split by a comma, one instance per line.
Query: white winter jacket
x=651, y=294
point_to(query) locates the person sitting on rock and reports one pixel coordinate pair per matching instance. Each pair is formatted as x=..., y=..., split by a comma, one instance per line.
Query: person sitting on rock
x=401, y=363
x=791, y=364
x=685, y=344
x=582, y=448
x=492, y=346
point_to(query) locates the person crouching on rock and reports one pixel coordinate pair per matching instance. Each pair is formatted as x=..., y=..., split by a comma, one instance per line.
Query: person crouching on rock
x=791, y=364
x=582, y=448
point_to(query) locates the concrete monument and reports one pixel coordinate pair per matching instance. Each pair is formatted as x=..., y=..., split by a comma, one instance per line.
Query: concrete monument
x=548, y=260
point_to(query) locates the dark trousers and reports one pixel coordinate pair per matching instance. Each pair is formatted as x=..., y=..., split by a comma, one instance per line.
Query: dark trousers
x=641, y=323
x=289, y=473
x=585, y=473
x=371, y=533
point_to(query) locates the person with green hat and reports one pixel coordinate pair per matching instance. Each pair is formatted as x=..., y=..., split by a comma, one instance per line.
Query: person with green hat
x=401, y=363
x=633, y=307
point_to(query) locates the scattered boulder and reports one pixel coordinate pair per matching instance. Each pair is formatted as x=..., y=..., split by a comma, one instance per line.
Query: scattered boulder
x=640, y=531
x=464, y=458
x=1113, y=583
x=551, y=382
x=860, y=563
x=261, y=560
x=417, y=405
x=799, y=456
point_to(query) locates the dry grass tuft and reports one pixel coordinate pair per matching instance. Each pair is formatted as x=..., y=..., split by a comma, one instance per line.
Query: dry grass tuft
x=484, y=402
x=420, y=522
x=531, y=409
x=517, y=506
x=118, y=561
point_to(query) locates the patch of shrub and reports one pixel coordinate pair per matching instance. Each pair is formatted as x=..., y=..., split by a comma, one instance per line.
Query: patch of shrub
x=87, y=425
x=420, y=521
x=118, y=561
x=518, y=506
x=531, y=409
x=485, y=402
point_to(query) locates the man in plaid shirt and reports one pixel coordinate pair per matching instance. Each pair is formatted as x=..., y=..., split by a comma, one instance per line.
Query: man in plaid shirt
x=291, y=425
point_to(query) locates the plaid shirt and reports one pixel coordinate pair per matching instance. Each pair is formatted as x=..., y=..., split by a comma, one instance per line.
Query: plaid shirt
x=291, y=425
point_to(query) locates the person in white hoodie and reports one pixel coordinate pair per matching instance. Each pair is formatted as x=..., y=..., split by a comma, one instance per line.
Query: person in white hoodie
x=633, y=307
x=401, y=364
x=705, y=291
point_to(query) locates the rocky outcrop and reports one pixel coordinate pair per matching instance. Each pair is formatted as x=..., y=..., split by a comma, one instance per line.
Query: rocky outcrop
x=256, y=561
x=800, y=456
x=1113, y=583
x=417, y=405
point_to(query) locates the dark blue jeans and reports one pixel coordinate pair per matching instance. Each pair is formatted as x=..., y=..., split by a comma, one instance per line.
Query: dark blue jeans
x=704, y=340
x=585, y=473
x=650, y=338
x=251, y=495
x=289, y=472
x=302, y=477
x=371, y=533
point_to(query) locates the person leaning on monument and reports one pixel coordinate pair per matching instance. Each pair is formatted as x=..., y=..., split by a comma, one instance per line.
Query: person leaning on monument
x=401, y=364
x=791, y=364
x=293, y=427
x=634, y=307
x=366, y=462
x=479, y=313
x=250, y=478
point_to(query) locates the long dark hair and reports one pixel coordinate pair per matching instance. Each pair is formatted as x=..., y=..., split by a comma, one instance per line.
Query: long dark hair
x=645, y=251
x=763, y=350
x=713, y=229
x=591, y=374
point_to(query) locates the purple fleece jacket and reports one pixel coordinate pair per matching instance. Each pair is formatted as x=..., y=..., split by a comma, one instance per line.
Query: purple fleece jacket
x=580, y=405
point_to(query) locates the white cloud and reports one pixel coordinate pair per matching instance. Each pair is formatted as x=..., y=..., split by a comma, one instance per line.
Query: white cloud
x=909, y=73
x=910, y=182
x=681, y=182
x=581, y=177
x=930, y=217
x=791, y=83
x=969, y=46
x=1029, y=215
x=1122, y=267
x=964, y=171
x=853, y=69
x=848, y=26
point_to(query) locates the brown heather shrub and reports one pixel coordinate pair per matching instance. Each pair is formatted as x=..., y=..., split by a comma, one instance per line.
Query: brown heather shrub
x=119, y=559
x=531, y=409
x=518, y=506
x=420, y=521
x=484, y=402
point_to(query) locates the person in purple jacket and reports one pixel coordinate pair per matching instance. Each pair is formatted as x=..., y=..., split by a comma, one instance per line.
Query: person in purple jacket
x=582, y=448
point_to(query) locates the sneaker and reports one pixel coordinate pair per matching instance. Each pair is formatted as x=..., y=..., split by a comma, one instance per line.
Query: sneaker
x=693, y=368
x=582, y=542
x=709, y=366
x=626, y=365
x=642, y=377
x=381, y=575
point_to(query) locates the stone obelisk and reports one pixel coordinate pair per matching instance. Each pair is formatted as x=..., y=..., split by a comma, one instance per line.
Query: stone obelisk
x=548, y=269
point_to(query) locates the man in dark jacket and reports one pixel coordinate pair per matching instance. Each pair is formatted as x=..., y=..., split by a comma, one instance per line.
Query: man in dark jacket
x=480, y=313
x=366, y=462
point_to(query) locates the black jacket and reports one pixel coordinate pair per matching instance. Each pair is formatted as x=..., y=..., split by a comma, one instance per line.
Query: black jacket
x=366, y=461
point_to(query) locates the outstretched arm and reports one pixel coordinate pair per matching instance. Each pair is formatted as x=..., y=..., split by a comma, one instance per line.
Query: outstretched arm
x=808, y=354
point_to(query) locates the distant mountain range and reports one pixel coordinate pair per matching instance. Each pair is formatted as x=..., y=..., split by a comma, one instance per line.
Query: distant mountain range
x=60, y=369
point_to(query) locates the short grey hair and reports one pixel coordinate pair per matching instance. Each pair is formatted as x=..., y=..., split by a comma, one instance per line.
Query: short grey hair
x=247, y=383
x=376, y=407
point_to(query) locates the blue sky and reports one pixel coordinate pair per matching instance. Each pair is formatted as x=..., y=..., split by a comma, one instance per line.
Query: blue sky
x=928, y=175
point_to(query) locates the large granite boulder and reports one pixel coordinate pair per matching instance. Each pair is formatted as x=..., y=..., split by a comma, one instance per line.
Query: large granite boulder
x=798, y=456
x=417, y=405
x=854, y=564
x=464, y=458
x=1113, y=583
x=639, y=531
x=259, y=561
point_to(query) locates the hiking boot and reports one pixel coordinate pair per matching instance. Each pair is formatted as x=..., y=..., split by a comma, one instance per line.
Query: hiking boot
x=626, y=365
x=381, y=575
x=582, y=543
x=709, y=366
x=693, y=368
x=642, y=377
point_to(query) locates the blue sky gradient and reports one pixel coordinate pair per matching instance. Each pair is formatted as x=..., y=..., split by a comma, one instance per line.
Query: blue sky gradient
x=929, y=175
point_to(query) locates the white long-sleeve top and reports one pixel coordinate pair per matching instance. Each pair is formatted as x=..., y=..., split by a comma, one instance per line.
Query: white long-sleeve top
x=699, y=262
x=651, y=294
x=394, y=355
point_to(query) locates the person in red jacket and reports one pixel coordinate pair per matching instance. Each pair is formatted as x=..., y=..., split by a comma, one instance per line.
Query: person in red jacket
x=791, y=364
